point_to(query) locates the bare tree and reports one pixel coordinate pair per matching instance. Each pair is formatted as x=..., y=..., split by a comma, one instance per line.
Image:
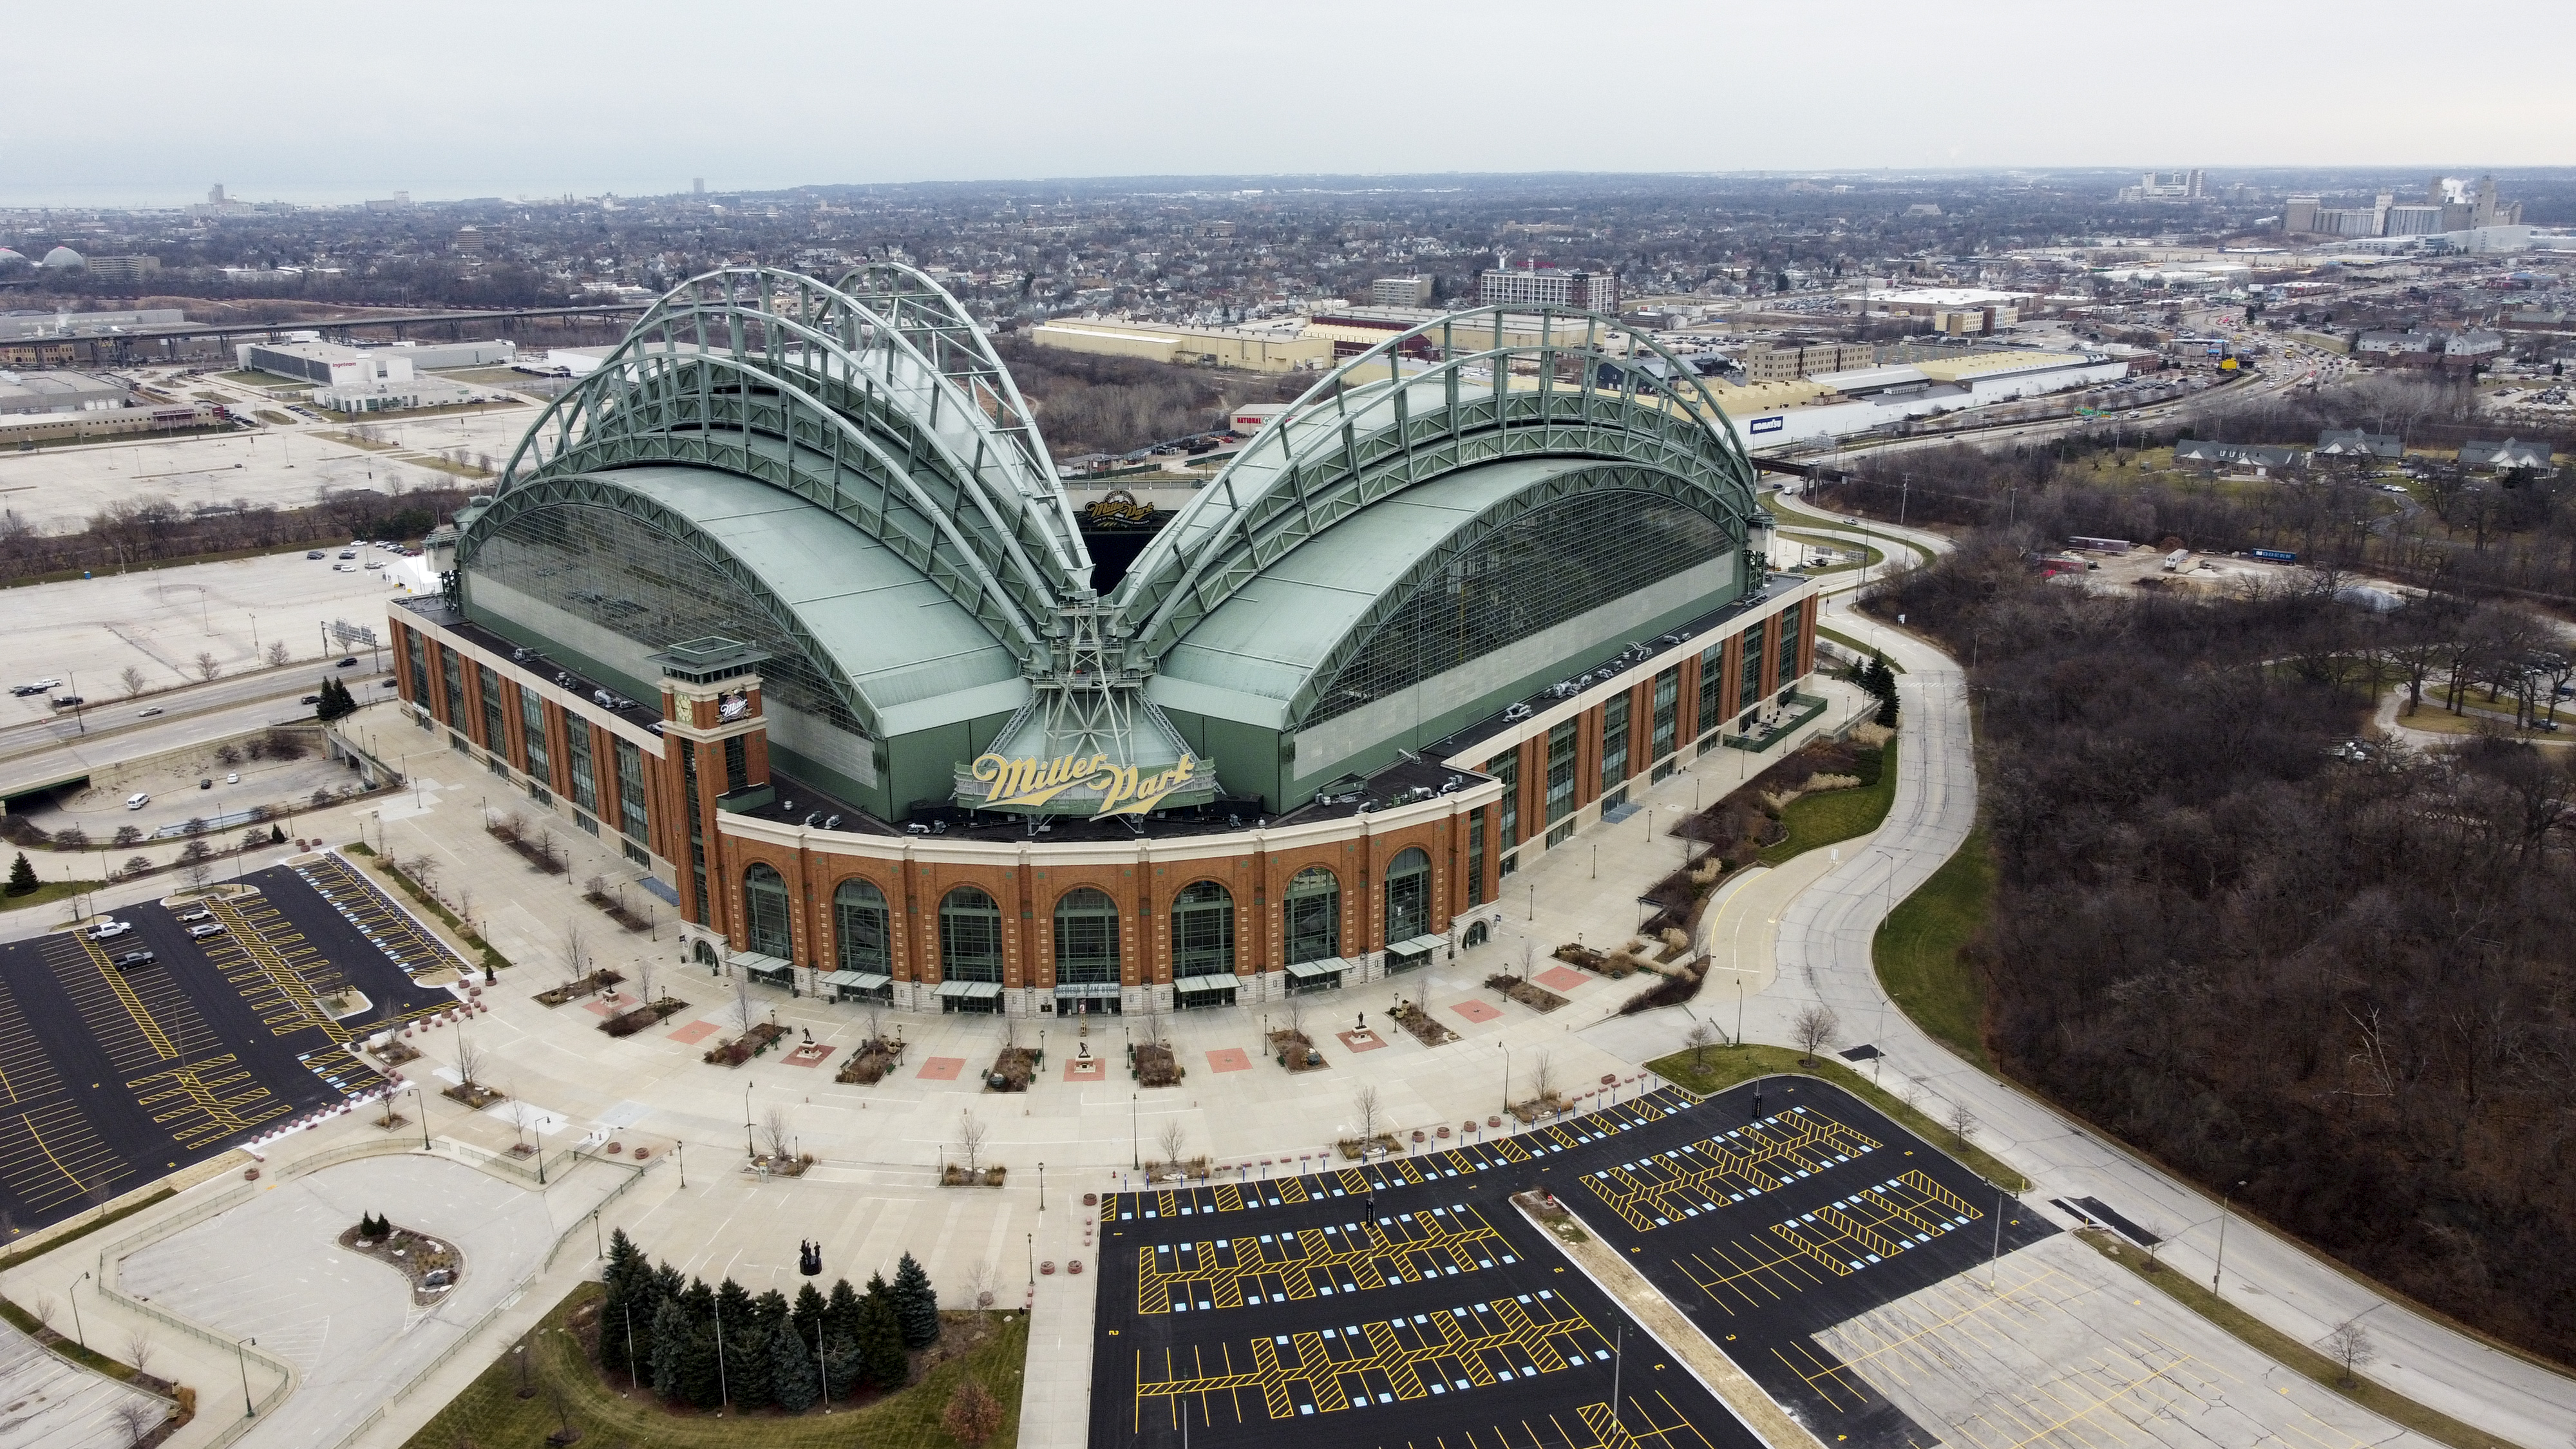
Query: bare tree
x=1153, y=1014
x=522, y=1116
x=277, y=655
x=137, y=1417
x=2349, y=1345
x=576, y=955
x=970, y=1139
x=778, y=1132
x=1815, y=1028
x=876, y=1024
x=422, y=868
x=979, y=1284
x=207, y=665
x=745, y=1009
x=469, y=1061
x=197, y=871
x=1542, y=1078
x=1295, y=1007
x=1963, y=1123
x=644, y=968
x=1366, y=1104
x=44, y=1307
x=132, y=679
x=1699, y=1039
x=1171, y=1139
x=139, y=1349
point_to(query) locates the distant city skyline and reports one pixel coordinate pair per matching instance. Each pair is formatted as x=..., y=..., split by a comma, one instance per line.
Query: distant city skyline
x=480, y=99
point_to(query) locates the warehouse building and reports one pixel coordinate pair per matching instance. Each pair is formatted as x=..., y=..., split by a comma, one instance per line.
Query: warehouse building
x=808, y=628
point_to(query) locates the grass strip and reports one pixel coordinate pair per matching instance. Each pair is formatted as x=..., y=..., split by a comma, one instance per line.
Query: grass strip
x=1732, y=1066
x=1815, y=820
x=2291, y=1354
x=1854, y=645
x=491, y=1412
x=1869, y=530
x=1919, y=950
x=491, y=955
x=38, y=1250
x=46, y=893
x=88, y=1358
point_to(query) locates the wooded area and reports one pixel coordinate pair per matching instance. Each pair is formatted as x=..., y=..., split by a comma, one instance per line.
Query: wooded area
x=2453, y=528
x=1088, y=404
x=127, y=534
x=2344, y=982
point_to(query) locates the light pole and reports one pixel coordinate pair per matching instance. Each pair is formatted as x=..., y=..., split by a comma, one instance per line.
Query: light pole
x=1507, y=1074
x=73, y=1293
x=1136, y=1129
x=421, y=1104
x=1041, y=1187
x=747, y=1152
x=249, y=1410
x=2223, y=1196
x=1033, y=1260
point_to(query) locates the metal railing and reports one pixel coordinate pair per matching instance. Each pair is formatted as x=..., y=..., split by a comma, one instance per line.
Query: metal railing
x=1802, y=708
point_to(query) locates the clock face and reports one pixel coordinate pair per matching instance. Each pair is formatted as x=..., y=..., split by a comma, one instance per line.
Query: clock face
x=733, y=706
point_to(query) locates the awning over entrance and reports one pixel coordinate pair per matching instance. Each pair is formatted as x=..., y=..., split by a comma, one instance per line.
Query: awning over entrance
x=1416, y=945
x=1201, y=985
x=1072, y=989
x=763, y=967
x=863, y=980
x=970, y=990
x=1330, y=966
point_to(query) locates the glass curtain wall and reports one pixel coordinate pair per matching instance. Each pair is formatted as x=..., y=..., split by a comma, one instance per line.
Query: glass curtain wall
x=764, y=900
x=1203, y=931
x=1312, y=916
x=1408, y=895
x=859, y=935
x=1086, y=938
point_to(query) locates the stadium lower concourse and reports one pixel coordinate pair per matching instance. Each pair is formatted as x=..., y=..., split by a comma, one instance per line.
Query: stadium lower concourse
x=787, y=601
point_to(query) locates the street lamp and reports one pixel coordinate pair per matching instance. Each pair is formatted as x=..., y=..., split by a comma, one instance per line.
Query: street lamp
x=73, y=1293
x=2223, y=1196
x=1041, y=1187
x=421, y=1104
x=1507, y=1075
x=249, y=1410
x=1136, y=1129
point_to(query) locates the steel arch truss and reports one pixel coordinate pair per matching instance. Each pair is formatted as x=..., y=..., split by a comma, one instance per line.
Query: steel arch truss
x=576, y=490
x=964, y=435
x=1364, y=434
x=1609, y=478
x=928, y=316
x=715, y=410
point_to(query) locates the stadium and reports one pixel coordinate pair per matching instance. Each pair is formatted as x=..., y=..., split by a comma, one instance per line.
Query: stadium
x=787, y=600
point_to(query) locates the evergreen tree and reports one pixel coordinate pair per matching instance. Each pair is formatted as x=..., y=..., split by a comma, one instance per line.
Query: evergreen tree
x=22, y=876
x=733, y=1303
x=277, y=835
x=701, y=1375
x=1886, y=717
x=792, y=1369
x=844, y=1367
x=881, y=1356
x=841, y=1316
x=807, y=1315
x=747, y=1366
x=670, y=1341
x=916, y=1304
x=769, y=1310
x=626, y=1276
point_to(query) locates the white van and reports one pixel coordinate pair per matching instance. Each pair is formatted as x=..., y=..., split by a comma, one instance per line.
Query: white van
x=137, y=801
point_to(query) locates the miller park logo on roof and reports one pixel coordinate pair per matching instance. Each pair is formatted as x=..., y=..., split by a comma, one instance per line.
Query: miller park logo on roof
x=1067, y=783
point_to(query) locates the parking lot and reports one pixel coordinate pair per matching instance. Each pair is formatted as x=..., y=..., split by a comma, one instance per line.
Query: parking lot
x=1403, y=1303
x=112, y=1076
x=1388, y=1290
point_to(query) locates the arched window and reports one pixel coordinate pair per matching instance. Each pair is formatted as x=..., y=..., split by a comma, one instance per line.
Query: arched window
x=1312, y=916
x=859, y=928
x=970, y=936
x=1086, y=937
x=1408, y=895
x=704, y=953
x=764, y=901
x=1203, y=931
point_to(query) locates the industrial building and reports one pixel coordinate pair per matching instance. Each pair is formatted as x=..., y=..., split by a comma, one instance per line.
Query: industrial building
x=61, y=392
x=1254, y=349
x=334, y=365
x=804, y=623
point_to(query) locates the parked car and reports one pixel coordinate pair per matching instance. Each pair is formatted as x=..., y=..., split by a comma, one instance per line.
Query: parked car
x=214, y=928
x=137, y=801
x=132, y=959
x=109, y=930
x=348, y=553
x=233, y=778
x=68, y=701
x=193, y=917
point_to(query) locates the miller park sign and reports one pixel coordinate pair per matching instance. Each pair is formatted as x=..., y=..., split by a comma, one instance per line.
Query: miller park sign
x=1082, y=784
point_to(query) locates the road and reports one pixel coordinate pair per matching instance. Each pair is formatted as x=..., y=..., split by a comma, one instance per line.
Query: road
x=1824, y=948
x=46, y=752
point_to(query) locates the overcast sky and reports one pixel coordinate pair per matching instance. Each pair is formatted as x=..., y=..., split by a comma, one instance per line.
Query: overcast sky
x=149, y=104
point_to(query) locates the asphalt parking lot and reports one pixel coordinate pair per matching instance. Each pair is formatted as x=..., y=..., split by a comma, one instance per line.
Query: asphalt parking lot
x=1404, y=1304
x=1412, y=1297
x=112, y=1077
